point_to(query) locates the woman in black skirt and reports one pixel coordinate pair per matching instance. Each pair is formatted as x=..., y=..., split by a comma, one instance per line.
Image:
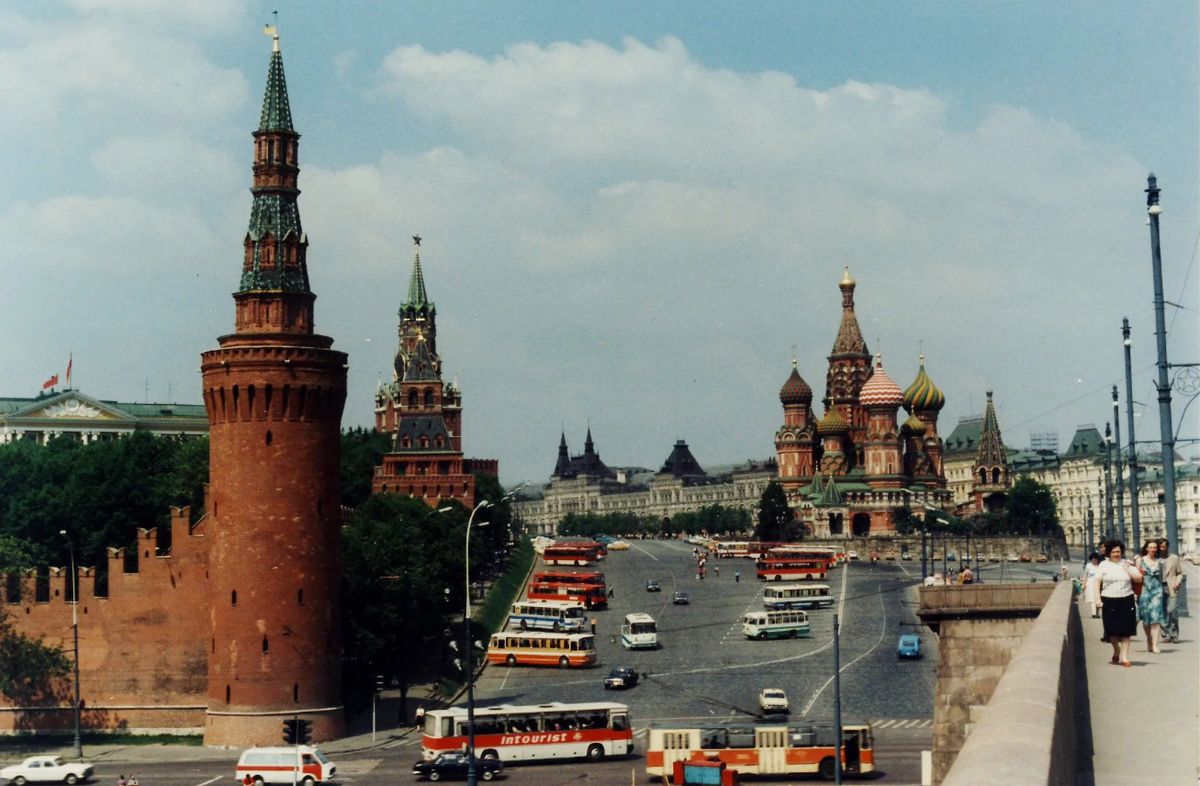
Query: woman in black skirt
x=1116, y=600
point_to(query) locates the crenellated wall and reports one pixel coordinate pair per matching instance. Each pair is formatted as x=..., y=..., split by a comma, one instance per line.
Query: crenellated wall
x=143, y=660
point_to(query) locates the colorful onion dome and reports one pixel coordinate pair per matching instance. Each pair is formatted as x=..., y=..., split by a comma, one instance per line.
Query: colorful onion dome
x=914, y=427
x=922, y=394
x=880, y=390
x=795, y=390
x=832, y=425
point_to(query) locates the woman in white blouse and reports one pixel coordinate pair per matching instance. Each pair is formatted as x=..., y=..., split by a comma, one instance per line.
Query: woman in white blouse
x=1115, y=578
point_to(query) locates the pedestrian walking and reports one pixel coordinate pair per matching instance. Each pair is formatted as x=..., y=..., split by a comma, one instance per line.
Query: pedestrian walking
x=717, y=571
x=1090, y=571
x=1118, y=607
x=133, y=780
x=1172, y=580
x=611, y=592
x=1151, y=604
x=121, y=781
x=737, y=576
x=593, y=626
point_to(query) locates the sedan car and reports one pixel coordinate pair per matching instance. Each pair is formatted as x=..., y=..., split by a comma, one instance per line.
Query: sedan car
x=621, y=677
x=773, y=700
x=49, y=769
x=453, y=764
x=680, y=599
x=910, y=646
x=652, y=585
x=618, y=545
x=1041, y=558
x=1026, y=558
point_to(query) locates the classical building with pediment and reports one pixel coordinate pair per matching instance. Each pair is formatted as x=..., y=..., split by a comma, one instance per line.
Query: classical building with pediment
x=73, y=414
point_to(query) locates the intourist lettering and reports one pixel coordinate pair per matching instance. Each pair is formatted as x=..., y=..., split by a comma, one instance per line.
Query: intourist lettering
x=533, y=739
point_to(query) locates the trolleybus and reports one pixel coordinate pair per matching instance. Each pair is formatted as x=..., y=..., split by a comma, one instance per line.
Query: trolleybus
x=535, y=648
x=557, y=615
x=527, y=732
x=775, y=624
x=797, y=596
x=762, y=748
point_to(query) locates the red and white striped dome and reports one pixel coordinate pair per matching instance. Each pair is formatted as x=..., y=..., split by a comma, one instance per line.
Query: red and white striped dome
x=880, y=390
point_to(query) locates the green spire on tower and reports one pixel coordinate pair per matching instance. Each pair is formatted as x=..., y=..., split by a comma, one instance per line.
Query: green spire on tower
x=276, y=114
x=416, y=283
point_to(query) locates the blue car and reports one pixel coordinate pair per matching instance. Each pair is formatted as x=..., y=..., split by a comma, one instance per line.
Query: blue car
x=910, y=646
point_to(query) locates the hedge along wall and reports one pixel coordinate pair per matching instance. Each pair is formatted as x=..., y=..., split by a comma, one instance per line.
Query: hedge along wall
x=504, y=592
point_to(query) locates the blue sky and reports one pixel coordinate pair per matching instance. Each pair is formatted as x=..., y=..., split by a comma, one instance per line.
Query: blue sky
x=632, y=211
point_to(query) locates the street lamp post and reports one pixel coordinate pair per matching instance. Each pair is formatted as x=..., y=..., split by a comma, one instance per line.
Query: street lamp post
x=1108, y=490
x=1133, y=469
x=78, y=741
x=471, y=775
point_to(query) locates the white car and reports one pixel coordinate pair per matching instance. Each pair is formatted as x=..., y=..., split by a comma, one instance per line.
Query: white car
x=47, y=769
x=773, y=700
x=851, y=555
x=618, y=545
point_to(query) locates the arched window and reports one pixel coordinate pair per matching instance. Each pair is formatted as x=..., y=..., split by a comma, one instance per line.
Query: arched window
x=429, y=398
x=266, y=645
x=233, y=598
x=995, y=476
x=226, y=694
x=413, y=400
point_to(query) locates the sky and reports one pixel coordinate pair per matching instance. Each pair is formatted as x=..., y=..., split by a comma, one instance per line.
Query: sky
x=634, y=215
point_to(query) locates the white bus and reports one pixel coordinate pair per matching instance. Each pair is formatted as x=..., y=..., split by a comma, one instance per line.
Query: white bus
x=535, y=648
x=539, y=731
x=797, y=596
x=639, y=632
x=775, y=624
x=556, y=615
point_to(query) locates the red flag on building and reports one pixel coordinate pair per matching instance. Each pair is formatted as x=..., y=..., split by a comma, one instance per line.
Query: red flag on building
x=70, y=360
x=50, y=382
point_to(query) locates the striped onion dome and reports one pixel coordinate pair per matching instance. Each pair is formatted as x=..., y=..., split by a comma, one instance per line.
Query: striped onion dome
x=922, y=394
x=880, y=390
x=914, y=426
x=795, y=390
x=832, y=424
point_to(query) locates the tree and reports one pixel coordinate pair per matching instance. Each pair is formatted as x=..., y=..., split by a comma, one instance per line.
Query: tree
x=776, y=519
x=362, y=451
x=1032, y=509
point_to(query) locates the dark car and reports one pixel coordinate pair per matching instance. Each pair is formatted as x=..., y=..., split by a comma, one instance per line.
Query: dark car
x=621, y=678
x=680, y=599
x=652, y=585
x=454, y=765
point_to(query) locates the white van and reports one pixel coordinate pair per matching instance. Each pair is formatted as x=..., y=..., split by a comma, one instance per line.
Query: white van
x=278, y=765
x=639, y=632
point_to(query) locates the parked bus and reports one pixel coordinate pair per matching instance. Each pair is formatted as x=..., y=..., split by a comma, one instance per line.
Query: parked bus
x=528, y=732
x=763, y=748
x=556, y=615
x=790, y=568
x=529, y=648
x=775, y=624
x=591, y=596
x=589, y=577
x=577, y=554
x=639, y=631
x=797, y=551
x=797, y=596
x=732, y=548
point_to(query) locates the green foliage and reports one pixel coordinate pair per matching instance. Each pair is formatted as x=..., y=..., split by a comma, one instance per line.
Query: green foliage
x=776, y=520
x=362, y=452
x=712, y=520
x=506, y=589
x=30, y=672
x=499, y=516
x=588, y=525
x=1031, y=508
x=906, y=522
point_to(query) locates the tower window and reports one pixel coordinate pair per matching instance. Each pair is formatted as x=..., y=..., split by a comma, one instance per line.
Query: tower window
x=233, y=598
x=271, y=150
x=227, y=695
x=295, y=692
x=266, y=645
x=214, y=645
x=300, y=597
x=269, y=437
x=429, y=398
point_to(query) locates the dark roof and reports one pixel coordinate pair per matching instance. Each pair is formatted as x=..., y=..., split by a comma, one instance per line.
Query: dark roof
x=276, y=112
x=965, y=437
x=1087, y=442
x=681, y=463
x=587, y=465
x=431, y=426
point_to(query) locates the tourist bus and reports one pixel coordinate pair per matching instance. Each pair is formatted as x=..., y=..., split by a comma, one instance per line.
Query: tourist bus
x=528, y=732
x=589, y=577
x=639, y=631
x=798, y=551
x=790, y=569
x=531, y=648
x=797, y=596
x=732, y=548
x=577, y=554
x=591, y=596
x=557, y=615
x=764, y=625
x=762, y=748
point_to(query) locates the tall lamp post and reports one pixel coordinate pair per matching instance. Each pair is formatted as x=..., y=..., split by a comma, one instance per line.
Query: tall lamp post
x=78, y=742
x=1133, y=468
x=471, y=776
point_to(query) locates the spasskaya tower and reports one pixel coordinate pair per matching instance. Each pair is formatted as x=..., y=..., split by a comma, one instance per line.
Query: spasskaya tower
x=274, y=392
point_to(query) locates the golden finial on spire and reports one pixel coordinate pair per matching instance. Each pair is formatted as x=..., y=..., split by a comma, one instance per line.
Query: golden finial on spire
x=273, y=31
x=846, y=281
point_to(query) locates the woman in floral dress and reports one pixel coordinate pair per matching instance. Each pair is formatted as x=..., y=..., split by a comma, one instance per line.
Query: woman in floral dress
x=1152, y=608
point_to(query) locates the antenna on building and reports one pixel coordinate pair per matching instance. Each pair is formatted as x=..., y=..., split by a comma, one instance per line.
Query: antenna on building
x=146, y=392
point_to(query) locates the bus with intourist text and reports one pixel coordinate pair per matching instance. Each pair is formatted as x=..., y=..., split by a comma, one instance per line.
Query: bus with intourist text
x=797, y=596
x=591, y=596
x=797, y=551
x=556, y=615
x=790, y=569
x=528, y=732
x=775, y=624
x=536, y=648
x=762, y=748
x=639, y=631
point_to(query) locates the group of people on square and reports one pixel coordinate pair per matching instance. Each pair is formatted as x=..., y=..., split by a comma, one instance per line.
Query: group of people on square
x=1124, y=592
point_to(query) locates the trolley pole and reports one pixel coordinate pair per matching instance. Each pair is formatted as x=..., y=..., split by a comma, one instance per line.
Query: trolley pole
x=837, y=705
x=1133, y=467
x=1165, y=423
x=1120, y=474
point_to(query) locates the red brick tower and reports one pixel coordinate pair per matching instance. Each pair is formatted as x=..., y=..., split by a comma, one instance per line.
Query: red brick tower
x=274, y=392
x=794, y=441
x=849, y=370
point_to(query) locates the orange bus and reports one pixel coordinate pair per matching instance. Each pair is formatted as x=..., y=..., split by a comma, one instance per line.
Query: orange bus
x=791, y=569
x=534, y=648
x=762, y=748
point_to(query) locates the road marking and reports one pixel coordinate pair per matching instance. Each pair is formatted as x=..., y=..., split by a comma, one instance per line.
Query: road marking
x=883, y=630
x=406, y=742
x=648, y=554
x=210, y=780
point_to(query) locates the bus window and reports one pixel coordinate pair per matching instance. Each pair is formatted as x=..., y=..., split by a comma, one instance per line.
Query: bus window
x=715, y=739
x=447, y=725
x=741, y=738
x=620, y=722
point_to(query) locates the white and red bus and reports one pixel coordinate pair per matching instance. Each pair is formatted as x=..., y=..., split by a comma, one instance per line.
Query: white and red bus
x=732, y=548
x=589, y=577
x=591, y=596
x=791, y=569
x=798, y=551
x=762, y=748
x=528, y=732
x=533, y=648
x=577, y=554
